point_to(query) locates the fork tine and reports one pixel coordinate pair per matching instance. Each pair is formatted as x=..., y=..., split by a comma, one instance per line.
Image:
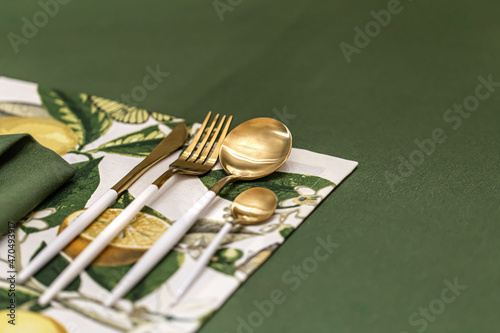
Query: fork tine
x=196, y=138
x=215, y=154
x=195, y=155
x=208, y=148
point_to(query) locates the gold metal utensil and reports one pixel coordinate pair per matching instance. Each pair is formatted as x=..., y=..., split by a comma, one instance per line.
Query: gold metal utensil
x=168, y=145
x=250, y=207
x=252, y=150
x=253, y=206
x=198, y=158
x=164, y=148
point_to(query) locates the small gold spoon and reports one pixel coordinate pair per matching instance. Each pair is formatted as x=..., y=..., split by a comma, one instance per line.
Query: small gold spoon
x=251, y=207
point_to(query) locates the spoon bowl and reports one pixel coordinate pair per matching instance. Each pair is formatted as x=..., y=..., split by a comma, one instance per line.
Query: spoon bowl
x=254, y=206
x=253, y=149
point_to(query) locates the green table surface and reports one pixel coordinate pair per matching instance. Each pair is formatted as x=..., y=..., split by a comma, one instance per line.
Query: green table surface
x=439, y=221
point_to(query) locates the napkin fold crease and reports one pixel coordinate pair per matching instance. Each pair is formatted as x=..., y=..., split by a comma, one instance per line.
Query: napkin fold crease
x=29, y=173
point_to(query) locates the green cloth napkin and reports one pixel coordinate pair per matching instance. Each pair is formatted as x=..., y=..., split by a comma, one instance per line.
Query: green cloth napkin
x=29, y=173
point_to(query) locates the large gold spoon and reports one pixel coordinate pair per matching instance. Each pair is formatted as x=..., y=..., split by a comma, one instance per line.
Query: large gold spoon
x=254, y=149
x=250, y=207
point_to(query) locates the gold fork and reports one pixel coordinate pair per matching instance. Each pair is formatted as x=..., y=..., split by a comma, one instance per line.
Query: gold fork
x=198, y=158
x=191, y=162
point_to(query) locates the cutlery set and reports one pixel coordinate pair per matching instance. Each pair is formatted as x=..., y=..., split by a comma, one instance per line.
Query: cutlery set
x=252, y=150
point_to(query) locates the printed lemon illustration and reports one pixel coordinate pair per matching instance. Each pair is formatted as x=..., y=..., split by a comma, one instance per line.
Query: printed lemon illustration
x=127, y=247
x=27, y=321
x=48, y=132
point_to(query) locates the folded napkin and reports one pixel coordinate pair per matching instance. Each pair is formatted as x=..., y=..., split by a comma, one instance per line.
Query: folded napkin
x=110, y=139
x=29, y=173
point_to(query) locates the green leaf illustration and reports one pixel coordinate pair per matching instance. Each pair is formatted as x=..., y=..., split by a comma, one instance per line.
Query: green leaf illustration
x=52, y=269
x=73, y=195
x=22, y=296
x=123, y=200
x=224, y=259
x=173, y=123
x=281, y=183
x=161, y=273
x=161, y=117
x=108, y=277
x=137, y=144
x=19, y=296
x=77, y=111
x=126, y=198
x=286, y=231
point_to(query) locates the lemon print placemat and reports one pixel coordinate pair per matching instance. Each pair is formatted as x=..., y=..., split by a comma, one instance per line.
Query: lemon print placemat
x=103, y=140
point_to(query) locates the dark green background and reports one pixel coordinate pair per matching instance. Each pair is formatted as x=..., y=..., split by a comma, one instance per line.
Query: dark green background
x=397, y=247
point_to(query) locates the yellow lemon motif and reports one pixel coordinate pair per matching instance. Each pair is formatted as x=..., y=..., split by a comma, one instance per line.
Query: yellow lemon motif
x=27, y=321
x=48, y=132
x=127, y=247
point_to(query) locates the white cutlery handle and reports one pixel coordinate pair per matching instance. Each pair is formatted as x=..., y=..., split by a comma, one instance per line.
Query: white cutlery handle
x=98, y=244
x=158, y=251
x=201, y=263
x=68, y=234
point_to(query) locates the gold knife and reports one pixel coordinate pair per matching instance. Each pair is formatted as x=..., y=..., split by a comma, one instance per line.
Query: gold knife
x=167, y=146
